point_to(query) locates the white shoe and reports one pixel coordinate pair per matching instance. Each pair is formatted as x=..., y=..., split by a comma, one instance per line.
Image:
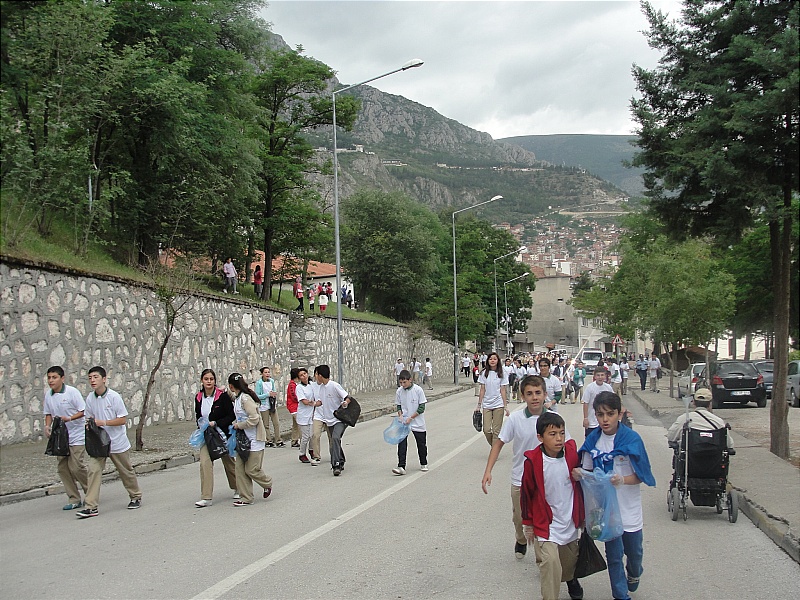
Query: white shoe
x=236, y=496
x=203, y=503
x=399, y=471
x=423, y=468
x=315, y=462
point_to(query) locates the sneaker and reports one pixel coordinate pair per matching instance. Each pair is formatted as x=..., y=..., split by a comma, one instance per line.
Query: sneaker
x=236, y=495
x=575, y=589
x=423, y=468
x=280, y=445
x=399, y=471
x=337, y=471
x=203, y=503
x=134, y=504
x=86, y=513
x=304, y=459
x=520, y=550
x=269, y=445
x=241, y=503
x=224, y=291
x=633, y=583
x=72, y=506
x=315, y=462
x=267, y=492
x=295, y=444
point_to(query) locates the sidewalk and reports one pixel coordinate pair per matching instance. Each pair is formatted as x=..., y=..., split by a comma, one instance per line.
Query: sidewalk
x=25, y=471
x=769, y=486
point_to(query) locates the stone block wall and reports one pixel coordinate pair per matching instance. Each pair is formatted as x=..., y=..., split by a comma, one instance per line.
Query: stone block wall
x=55, y=317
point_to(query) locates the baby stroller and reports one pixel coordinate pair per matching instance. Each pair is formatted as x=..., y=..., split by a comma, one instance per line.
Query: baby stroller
x=700, y=472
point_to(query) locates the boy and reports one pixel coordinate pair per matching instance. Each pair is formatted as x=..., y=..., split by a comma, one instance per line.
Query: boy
x=105, y=406
x=552, y=511
x=427, y=379
x=410, y=401
x=66, y=402
x=591, y=391
x=520, y=428
x=616, y=448
x=330, y=396
x=553, y=384
x=305, y=411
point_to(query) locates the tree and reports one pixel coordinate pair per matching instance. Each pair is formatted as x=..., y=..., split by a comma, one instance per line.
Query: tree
x=400, y=237
x=718, y=135
x=290, y=90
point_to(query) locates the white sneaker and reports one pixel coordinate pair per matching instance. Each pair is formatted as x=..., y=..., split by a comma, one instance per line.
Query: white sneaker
x=315, y=462
x=399, y=471
x=423, y=468
x=203, y=503
x=236, y=496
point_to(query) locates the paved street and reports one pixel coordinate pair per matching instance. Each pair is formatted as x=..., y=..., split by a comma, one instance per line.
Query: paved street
x=366, y=534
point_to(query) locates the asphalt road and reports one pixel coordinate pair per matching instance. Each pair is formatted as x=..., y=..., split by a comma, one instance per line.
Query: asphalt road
x=367, y=534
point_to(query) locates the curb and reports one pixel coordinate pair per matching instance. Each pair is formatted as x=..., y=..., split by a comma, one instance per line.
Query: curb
x=180, y=460
x=775, y=527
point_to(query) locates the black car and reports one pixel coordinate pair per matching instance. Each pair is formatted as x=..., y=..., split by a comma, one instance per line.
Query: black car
x=766, y=368
x=734, y=381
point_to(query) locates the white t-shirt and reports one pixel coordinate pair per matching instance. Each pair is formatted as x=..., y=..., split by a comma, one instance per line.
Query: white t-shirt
x=66, y=403
x=559, y=495
x=331, y=395
x=628, y=496
x=465, y=362
x=428, y=368
x=507, y=370
x=491, y=397
x=590, y=392
x=323, y=300
x=416, y=367
x=265, y=387
x=305, y=412
x=205, y=406
x=532, y=369
x=409, y=400
x=521, y=429
x=553, y=386
x=107, y=407
x=241, y=415
x=653, y=366
x=398, y=367
x=623, y=369
x=616, y=375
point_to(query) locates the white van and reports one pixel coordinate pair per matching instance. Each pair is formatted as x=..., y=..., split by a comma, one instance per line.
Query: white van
x=590, y=357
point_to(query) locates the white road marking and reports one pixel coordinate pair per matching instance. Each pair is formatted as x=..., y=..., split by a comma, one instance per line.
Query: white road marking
x=242, y=575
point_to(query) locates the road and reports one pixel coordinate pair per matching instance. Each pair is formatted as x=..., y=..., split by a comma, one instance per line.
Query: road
x=367, y=534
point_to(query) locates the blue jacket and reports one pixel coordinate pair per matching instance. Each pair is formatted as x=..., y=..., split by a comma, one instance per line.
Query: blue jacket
x=626, y=443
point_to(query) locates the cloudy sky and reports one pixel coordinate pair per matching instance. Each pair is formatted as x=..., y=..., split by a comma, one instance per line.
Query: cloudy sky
x=507, y=68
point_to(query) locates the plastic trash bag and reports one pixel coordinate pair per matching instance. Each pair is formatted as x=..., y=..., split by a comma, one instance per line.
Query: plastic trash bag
x=216, y=442
x=98, y=442
x=242, y=445
x=396, y=432
x=197, y=439
x=58, y=443
x=231, y=441
x=603, y=520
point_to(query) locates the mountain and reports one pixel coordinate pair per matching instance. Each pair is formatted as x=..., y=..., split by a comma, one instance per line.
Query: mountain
x=602, y=155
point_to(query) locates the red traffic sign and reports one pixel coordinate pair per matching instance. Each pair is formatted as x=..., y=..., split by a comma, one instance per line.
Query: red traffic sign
x=618, y=341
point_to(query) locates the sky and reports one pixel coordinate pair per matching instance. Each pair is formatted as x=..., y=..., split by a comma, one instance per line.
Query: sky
x=506, y=68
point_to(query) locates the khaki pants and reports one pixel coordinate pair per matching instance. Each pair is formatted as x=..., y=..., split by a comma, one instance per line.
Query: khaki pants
x=578, y=395
x=122, y=462
x=207, y=473
x=556, y=564
x=654, y=384
x=317, y=427
x=248, y=472
x=72, y=471
x=624, y=385
x=617, y=387
x=492, y=422
x=516, y=514
x=295, y=429
x=272, y=417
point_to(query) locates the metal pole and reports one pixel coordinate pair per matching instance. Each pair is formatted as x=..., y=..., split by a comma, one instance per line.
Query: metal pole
x=496, y=318
x=339, y=334
x=455, y=305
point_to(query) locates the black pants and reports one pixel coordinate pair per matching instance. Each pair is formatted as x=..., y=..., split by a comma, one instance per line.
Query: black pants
x=299, y=304
x=643, y=379
x=422, y=449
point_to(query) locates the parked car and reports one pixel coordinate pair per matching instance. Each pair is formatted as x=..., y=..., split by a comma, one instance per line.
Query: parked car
x=689, y=378
x=734, y=381
x=590, y=357
x=766, y=368
x=793, y=384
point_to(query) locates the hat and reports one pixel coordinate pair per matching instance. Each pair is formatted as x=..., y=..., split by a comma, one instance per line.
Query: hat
x=703, y=395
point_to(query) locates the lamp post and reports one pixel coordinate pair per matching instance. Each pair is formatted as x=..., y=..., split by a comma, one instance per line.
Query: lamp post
x=455, y=286
x=414, y=62
x=496, y=316
x=505, y=295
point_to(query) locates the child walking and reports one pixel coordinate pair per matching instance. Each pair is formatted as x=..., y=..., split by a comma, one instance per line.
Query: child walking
x=614, y=447
x=552, y=507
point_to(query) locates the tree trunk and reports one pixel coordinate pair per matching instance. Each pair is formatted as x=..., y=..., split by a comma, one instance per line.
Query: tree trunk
x=674, y=361
x=748, y=342
x=150, y=382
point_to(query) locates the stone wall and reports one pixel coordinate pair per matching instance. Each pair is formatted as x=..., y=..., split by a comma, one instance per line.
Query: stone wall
x=56, y=317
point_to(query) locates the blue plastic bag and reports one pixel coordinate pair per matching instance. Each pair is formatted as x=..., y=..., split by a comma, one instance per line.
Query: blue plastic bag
x=197, y=439
x=603, y=519
x=231, y=441
x=396, y=432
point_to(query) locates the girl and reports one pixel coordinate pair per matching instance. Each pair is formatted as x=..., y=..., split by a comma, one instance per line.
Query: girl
x=245, y=407
x=258, y=281
x=492, y=397
x=215, y=405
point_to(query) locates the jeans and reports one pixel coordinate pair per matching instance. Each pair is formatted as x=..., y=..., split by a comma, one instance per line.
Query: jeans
x=629, y=543
x=643, y=379
x=420, y=437
x=335, y=434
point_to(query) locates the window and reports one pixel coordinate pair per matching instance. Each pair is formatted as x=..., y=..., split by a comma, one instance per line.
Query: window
x=584, y=322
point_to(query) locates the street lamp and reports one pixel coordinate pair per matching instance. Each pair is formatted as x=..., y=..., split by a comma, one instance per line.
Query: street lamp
x=496, y=316
x=505, y=295
x=455, y=287
x=414, y=62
